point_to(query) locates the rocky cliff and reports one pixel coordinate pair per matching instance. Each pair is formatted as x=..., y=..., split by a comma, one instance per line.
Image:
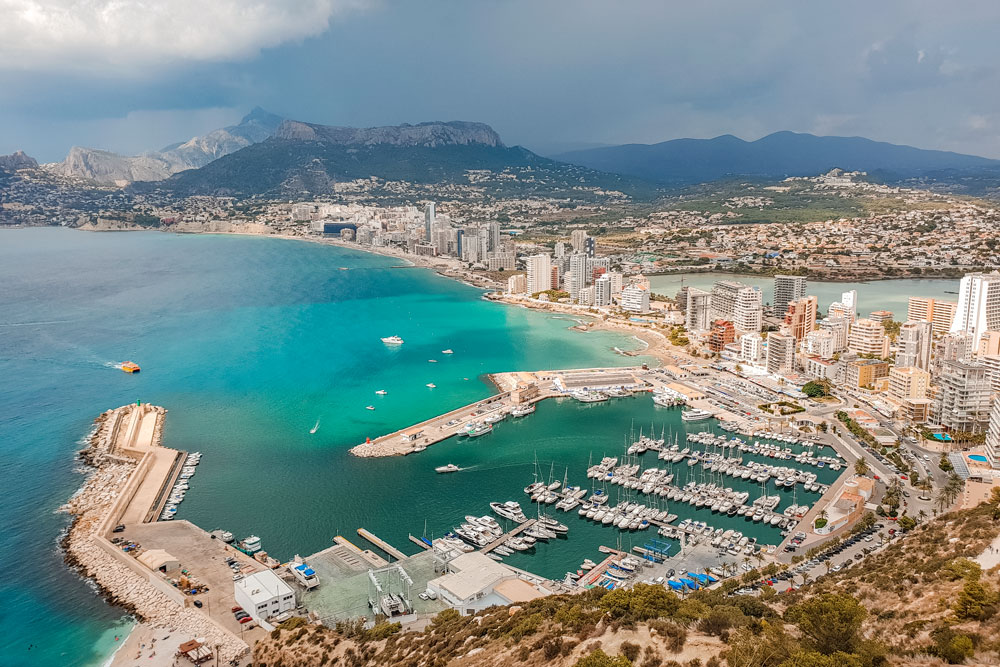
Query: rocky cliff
x=429, y=135
x=107, y=167
x=17, y=160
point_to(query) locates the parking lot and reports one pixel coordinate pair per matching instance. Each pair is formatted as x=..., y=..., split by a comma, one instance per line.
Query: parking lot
x=851, y=551
x=205, y=560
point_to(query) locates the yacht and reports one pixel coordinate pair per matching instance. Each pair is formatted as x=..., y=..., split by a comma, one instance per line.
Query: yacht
x=448, y=351
x=509, y=510
x=696, y=415
x=303, y=574
x=590, y=396
x=392, y=340
x=477, y=430
x=451, y=467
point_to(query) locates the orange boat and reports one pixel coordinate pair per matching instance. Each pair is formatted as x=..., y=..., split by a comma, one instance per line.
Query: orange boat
x=130, y=367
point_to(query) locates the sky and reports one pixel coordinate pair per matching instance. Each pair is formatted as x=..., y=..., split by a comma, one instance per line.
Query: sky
x=552, y=75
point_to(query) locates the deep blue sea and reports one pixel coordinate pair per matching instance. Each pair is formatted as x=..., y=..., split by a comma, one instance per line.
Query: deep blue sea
x=249, y=342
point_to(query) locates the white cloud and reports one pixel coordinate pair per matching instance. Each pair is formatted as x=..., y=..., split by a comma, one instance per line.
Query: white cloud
x=125, y=34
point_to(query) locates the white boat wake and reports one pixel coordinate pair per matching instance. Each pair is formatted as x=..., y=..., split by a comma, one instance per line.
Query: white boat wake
x=315, y=428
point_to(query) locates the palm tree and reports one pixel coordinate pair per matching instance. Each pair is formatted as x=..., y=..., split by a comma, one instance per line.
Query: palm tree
x=861, y=467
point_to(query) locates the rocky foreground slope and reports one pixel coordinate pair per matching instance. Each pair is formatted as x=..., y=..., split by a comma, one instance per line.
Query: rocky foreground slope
x=925, y=600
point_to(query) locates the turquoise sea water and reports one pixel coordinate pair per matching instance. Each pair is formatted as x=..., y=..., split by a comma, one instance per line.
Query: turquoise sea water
x=248, y=342
x=891, y=295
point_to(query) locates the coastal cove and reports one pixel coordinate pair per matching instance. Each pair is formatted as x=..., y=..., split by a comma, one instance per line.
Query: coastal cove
x=251, y=344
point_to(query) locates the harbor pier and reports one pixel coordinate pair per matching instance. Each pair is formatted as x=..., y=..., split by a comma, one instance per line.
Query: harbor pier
x=503, y=538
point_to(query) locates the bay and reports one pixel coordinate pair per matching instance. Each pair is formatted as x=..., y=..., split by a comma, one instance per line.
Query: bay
x=248, y=342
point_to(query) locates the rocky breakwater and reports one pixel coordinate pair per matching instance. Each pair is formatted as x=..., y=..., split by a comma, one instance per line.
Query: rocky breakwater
x=122, y=580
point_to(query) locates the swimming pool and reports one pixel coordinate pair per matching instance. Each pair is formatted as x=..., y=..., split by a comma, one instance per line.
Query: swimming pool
x=942, y=436
x=977, y=457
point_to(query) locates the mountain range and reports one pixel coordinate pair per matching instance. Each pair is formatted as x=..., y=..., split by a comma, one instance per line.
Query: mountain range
x=106, y=167
x=308, y=159
x=778, y=155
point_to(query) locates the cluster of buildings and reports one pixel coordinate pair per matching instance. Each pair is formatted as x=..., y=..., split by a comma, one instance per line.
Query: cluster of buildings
x=937, y=368
x=587, y=280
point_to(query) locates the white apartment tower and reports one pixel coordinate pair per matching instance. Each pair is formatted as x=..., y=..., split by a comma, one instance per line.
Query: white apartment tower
x=740, y=304
x=786, y=290
x=780, y=354
x=428, y=221
x=993, y=435
x=915, y=345
x=539, y=273
x=751, y=348
x=978, y=308
x=699, y=310
x=868, y=337
x=635, y=299
x=602, y=291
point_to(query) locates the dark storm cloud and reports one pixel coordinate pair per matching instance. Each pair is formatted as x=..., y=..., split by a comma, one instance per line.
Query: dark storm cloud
x=546, y=74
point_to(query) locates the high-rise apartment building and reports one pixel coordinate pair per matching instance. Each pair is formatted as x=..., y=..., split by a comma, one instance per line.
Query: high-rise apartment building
x=579, y=239
x=740, y=304
x=539, y=273
x=786, y=290
x=821, y=344
x=962, y=402
x=722, y=334
x=839, y=327
x=800, y=317
x=493, y=231
x=915, y=344
x=698, y=313
x=909, y=382
x=868, y=337
x=602, y=291
x=993, y=435
x=941, y=314
x=517, y=284
x=880, y=316
x=978, y=308
x=428, y=221
x=780, y=354
x=751, y=348
x=635, y=299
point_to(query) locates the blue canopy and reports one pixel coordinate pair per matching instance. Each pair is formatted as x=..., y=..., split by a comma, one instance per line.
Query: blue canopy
x=676, y=585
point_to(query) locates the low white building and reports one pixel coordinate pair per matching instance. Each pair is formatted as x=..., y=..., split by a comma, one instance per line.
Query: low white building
x=476, y=582
x=263, y=595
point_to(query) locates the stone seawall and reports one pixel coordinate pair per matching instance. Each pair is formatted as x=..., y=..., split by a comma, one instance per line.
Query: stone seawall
x=121, y=578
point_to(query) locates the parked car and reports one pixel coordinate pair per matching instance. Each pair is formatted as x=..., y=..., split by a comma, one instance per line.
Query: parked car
x=246, y=619
x=197, y=603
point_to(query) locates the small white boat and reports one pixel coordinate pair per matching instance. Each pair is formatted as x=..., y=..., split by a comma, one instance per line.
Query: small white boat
x=448, y=351
x=381, y=392
x=432, y=361
x=431, y=385
x=392, y=340
x=451, y=467
x=369, y=407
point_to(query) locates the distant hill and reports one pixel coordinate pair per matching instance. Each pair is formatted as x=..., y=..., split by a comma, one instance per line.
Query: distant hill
x=777, y=155
x=308, y=159
x=106, y=167
x=17, y=160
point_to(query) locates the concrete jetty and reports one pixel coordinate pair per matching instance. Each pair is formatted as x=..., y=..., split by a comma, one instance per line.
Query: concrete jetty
x=516, y=388
x=513, y=533
x=382, y=544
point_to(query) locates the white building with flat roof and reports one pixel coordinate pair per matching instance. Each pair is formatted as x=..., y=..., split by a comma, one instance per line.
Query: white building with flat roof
x=263, y=595
x=539, y=273
x=475, y=582
x=978, y=308
x=635, y=299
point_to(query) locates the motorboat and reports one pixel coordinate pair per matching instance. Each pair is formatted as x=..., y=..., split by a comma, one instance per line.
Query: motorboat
x=392, y=340
x=451, y=467
x=696, y=415
x=381, y=392
x=522, y=410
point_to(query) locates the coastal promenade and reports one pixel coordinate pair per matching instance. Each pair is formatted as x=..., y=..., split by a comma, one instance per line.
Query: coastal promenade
x=130, y=470
x=516, y=388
